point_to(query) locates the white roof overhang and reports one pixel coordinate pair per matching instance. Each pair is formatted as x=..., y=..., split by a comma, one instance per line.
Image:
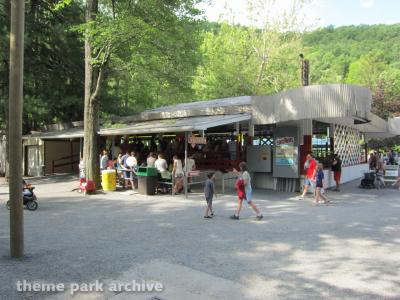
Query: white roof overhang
x=176, y=125
x=72, y=133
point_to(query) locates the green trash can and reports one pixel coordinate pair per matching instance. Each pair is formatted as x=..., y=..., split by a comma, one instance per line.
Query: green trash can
x=147, y=180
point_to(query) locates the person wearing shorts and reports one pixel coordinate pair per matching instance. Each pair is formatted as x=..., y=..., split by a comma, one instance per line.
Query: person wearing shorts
x=125, y=170
x=209, y=192
x=245, y=176
x=319, y=185
x=310, y=166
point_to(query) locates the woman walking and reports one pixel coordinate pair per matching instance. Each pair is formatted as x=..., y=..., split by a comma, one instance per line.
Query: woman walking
x=244, y=176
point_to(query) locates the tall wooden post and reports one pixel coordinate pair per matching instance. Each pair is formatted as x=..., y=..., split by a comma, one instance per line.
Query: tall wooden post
x=15, y=127
x=305, y=71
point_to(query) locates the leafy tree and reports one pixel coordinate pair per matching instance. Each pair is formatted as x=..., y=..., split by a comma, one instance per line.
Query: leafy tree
x=366, y=71
x=366, y=55
x=139, y=26
x=259, y=59
x=53, y=63
x=387, y=94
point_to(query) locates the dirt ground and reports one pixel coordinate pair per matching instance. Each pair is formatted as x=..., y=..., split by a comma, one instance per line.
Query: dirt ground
x=347, y=250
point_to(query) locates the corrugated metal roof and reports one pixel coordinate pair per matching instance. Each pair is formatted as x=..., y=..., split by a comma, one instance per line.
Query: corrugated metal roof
x=394, y=125
x=376, y=126
x=61, y=134
x=154, y=126
x=313, y=102
x=226, y=106
x=232, y=101
x=177, y=125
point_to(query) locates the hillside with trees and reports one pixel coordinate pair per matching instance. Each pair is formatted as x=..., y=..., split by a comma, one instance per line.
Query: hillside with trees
x=363, y=55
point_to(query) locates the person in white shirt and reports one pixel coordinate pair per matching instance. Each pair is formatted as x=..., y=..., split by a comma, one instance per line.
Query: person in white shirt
x=104, y=160
x=161, y=164
x=151, y=160
x=162, y=168
x=131, y=164
x=81, y=168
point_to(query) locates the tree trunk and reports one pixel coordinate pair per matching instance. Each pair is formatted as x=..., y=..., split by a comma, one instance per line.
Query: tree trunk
x=92, y=106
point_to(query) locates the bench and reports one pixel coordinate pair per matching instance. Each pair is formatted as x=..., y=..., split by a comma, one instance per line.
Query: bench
x=391, y=173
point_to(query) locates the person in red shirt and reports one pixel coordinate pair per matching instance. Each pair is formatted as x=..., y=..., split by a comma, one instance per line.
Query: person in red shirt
x=310, y=166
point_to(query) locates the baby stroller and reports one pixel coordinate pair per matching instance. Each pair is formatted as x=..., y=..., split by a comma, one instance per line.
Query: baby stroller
x=368, y=182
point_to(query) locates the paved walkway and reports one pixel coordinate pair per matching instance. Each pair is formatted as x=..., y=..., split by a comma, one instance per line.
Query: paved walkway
x=349, y=250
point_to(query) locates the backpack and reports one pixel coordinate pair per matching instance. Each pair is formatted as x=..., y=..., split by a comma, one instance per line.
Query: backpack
x=239, y=185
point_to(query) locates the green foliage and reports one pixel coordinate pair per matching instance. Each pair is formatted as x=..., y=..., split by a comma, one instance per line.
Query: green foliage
x=364, y=55
x=245, y=61
x=162, y=53
x=53, y=67
x=153, y=48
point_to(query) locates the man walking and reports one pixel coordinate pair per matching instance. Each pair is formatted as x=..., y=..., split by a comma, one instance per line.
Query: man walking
x=310, y=167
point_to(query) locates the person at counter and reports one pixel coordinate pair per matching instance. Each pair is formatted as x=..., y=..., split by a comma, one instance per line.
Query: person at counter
x=162, y=168
x=104, y=160
x=190, y=166
x=177, y=173
x=151, y=160
x=161, y=164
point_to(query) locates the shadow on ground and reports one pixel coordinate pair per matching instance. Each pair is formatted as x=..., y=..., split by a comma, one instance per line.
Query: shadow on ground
x=300, y=251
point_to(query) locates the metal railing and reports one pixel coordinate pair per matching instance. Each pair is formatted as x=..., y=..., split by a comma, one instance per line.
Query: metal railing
x=73, y=159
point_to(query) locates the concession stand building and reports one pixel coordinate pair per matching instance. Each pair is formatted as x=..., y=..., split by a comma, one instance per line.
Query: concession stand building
x=273, y=133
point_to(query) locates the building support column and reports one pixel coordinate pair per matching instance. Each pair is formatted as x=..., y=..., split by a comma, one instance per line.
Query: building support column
x=238, y=144
x=71, y=145
x=185, y=178
x=250, y=133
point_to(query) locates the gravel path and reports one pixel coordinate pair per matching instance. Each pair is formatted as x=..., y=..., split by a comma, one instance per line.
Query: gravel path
x=349, y=250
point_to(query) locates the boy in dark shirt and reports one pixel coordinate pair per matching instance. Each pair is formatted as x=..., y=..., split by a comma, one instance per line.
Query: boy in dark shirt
x=209, y=192
x=337, y=171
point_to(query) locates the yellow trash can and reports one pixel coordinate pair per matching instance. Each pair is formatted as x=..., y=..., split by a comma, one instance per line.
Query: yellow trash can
x=109, y=180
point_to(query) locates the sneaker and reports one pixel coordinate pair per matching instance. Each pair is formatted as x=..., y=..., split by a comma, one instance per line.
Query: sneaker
x=234, y=217
x=260, y=217
x=212, y=214
x=301, y=198
x=207, y=217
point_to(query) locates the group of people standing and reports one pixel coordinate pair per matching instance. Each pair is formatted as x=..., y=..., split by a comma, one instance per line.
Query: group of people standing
x=314, y=177
x=377, y=162
x=127, y=164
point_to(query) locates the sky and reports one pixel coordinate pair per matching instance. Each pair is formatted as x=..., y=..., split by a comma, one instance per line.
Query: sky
x=319, y=13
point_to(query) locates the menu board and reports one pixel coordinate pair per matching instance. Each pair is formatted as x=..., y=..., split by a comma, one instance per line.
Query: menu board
x=286, y=152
